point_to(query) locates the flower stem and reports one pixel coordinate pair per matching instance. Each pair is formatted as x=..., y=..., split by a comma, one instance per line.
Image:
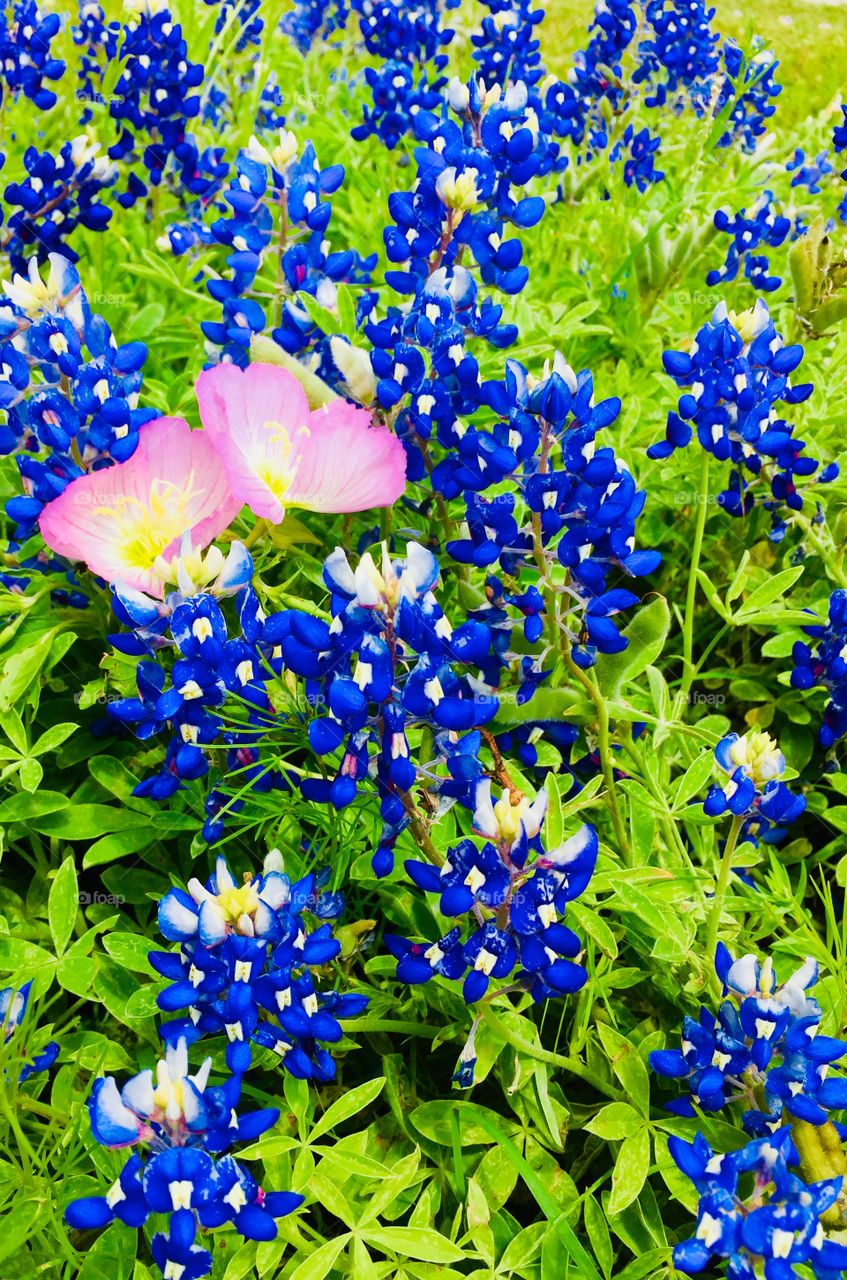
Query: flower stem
x=720, y=888
x=689, y=669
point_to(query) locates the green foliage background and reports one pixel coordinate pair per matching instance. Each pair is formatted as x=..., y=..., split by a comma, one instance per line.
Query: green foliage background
x=555, y=1164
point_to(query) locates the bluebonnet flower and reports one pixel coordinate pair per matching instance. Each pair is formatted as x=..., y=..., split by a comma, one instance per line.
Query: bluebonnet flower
x=404, y=33
x=153, y=99
x=389, y=659
x=761, y=225
x=638, y=150
x=772, y=1221
x=247, y=967
x=58, y=194
x=312, y=20
x=26, y=60
x=678, y=55
x=762, y=1048
x=749, y=84
x=68, y=391
x=13, y=1008
x=514, y=892
x=210, y=667
x=506, y=49
x=825, y=663
x=399, y=91
x=278, y=182
x=245, y=15
x=470, y=185
x=187, y=1124
x=809, y=175
x=98, y=40
x=409, y=38
x=754, y=765
x=737, y=375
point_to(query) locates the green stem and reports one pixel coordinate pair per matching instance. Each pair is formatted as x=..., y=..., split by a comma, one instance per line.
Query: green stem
x=689, y=668
x=572, y=1065
x=714, y=920
x=260, y=527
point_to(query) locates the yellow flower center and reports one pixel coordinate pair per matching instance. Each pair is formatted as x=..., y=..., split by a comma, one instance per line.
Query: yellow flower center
x=144, y=530
x=240, y=901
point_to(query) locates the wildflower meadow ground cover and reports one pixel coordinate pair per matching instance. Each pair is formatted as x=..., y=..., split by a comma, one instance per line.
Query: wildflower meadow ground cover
x=423, y=640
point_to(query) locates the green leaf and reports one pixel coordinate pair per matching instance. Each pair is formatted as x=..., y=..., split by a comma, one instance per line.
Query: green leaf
x=320, y=1262
x=598, y=1234
x=585, y=1268
x=348, y=1105
x=646, y=635
x=415, y=1242
x=63, y=903
x=23, y=808
x=630, y=1171
x=774, y=587
x=627, y=1066
x=130, y=950
x=53, y=738
x=615, y=1121
x=30, y=774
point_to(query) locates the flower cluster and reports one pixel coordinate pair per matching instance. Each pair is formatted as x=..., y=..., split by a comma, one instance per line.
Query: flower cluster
x=762, y=1048
x=389, y=660
x=187, y=1126
x=761, y=225
x=514, y=892
x=737, y=374
x=209, y=667
x=749, y=85
x=470, y=184
x=678, y=56
x=268, y=184
x=409, y=38
x=248, y=964
x=637, y=149
x=754, y=765
x=825, y=663
x=13, y=1008
x=755, y=1213
x=154, y=97
x=68, y=391
x=26, y=61
x=312, y=20
x=506, y=49
x=809, y=175
x=58, y=194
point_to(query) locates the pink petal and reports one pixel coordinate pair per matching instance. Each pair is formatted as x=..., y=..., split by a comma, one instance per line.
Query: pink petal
x=251, y=414
x=120, y=519
x=346, y=464
x=279, y=454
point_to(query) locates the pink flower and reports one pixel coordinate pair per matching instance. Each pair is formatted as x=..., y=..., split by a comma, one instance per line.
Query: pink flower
x=125, y=522
x=278, y=453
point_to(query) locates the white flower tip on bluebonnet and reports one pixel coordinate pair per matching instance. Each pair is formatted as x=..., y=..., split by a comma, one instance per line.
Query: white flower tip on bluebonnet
x=505, y=821
x=515, y=97
x=274, y=861
x=113, y=1123
x=574, y=847
x=458, y=95
x=338, y=574
x=354, y=365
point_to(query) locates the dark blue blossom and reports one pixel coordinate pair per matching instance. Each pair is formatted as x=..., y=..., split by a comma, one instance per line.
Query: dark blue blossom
x=737, y=375
x=755, y=1213
x=514, y=893
x=186, y=1124
x=762, y=1048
